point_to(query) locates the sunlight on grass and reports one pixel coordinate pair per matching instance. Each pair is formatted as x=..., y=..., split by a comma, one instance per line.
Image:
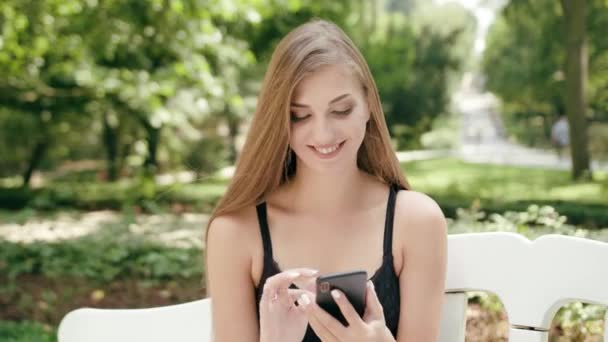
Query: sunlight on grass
x=503, y=183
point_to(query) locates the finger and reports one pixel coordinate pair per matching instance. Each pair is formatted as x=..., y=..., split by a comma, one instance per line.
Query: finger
x=299, y=302
x=284, y=299
x=294, y=295
x=320, y=330
x=326, y=320
x=347, y=309
x=282, y=281
x=307, y=283
x=286, y=278
x=373, y=308
x=323, y=332
x=287, y=297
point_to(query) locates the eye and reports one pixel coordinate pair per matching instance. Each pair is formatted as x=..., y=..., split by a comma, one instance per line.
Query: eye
x=343, y=112
x=295, y=118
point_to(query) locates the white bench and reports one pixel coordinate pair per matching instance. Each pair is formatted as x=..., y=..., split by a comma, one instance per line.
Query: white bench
x=532, y=278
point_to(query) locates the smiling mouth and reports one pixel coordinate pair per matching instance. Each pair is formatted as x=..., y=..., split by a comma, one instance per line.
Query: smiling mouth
x=328, y=151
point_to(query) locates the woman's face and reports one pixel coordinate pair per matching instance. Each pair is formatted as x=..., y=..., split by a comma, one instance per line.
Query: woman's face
x=328, y=118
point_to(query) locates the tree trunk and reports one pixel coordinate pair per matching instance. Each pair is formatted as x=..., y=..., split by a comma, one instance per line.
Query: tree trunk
x=153, y=137
x=35, y=159
x=233, y=132
x=576, y=80
x=110, y=140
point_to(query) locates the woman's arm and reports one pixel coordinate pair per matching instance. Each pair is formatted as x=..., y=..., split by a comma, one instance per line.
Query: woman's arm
x=422, y=277
x=229, y=282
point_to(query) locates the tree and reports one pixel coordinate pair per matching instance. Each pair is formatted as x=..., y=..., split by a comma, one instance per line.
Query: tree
x=412, y=65
x=575, y=14
x=38, y=62
x=527, y=64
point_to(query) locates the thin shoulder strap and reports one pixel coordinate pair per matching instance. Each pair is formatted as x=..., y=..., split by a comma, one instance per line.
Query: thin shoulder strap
x=388, y=223
x=262, y=219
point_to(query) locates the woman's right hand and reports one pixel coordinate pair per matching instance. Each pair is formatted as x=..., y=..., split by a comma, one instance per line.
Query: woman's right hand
x=280, y=319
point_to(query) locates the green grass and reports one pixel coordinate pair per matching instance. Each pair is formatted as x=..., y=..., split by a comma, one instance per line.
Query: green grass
x=502, y=183
x=452, y=183
x=26, y=331
x=497, y=188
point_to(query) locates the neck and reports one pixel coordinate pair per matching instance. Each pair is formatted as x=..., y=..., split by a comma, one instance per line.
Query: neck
x=327, y=193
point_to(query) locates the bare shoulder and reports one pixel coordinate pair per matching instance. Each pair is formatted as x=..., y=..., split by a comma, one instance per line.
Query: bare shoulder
x=234, y=237
x=417, y=206
x=229, y=253
x=418, y=218
x=234, y=227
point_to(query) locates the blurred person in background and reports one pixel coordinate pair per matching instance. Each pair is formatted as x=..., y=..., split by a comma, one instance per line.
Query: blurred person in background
x=560, y=135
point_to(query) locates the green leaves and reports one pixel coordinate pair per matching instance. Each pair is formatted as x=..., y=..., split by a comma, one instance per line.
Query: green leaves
x=99, y=260
x=26, y=331
x=525, y=56
x=412, y=65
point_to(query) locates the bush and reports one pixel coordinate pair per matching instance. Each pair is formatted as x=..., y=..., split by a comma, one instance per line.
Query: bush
x=16, y=198
x=590, y=215
x=26, y=332
x=598, y=140
x=99, y=260
x=116, y=195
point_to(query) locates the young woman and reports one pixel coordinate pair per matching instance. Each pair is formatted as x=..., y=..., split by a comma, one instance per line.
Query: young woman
x=318, y=189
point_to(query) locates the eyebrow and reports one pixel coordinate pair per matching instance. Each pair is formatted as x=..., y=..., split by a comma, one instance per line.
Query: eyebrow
x=293, y=104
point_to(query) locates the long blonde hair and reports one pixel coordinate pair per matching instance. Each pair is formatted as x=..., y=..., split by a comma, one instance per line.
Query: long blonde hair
x=266, y=161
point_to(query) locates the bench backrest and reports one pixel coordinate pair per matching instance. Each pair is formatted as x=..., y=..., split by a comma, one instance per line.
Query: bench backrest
x=532, y=278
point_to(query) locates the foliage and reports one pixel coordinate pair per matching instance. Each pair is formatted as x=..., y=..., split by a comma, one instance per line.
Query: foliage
x=99, y=260
x=412, y=73
x=524, y=65
x=112, y=255
x=532, y=223
x=497, y=188
x=444, y=134
x=143, y=66
x=26, y=331
x=167, y=85
x=598, y=140
x=454, y=184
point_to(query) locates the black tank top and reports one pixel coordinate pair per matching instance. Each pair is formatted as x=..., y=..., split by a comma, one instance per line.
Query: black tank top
x=386, y=282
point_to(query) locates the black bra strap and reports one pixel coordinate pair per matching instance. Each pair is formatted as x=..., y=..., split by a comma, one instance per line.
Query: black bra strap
x=388, y=223
x=262, y=219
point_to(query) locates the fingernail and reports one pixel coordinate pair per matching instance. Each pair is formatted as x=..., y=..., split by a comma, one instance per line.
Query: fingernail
x=370, y=284
x=335, y=294
x=304, y=300
x=293, y=274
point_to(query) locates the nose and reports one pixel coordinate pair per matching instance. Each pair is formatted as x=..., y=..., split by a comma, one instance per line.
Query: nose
x=324, y=132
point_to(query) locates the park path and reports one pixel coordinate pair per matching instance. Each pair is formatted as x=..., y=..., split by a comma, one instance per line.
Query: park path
x=483, y=138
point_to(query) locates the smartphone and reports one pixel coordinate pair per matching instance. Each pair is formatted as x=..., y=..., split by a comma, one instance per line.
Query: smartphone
x=352, y=284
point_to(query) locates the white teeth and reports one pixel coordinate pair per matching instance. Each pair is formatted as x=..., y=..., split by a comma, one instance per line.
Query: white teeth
x=327, y=150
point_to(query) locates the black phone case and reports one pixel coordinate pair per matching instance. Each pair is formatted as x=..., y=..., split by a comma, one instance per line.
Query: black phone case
x=352, y=284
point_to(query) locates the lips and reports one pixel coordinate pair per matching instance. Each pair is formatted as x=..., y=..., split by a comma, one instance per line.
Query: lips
x=327, y=151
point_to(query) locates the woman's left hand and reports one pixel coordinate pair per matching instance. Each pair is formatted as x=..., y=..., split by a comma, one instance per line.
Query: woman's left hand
x=371, y=327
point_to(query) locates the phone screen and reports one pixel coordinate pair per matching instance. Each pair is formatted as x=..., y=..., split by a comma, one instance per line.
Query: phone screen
x=352, y=284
